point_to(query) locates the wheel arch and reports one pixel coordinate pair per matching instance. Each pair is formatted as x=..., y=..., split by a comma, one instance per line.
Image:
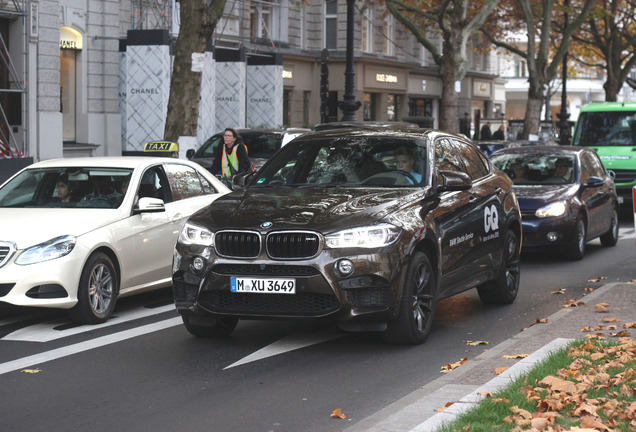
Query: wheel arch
x=113, y=258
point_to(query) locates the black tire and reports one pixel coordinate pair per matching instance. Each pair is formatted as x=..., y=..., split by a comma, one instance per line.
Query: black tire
x=576, y=250
x=97, y=291
x=610, y=238
x=214, y=326
x=415, y=318
x=504, y=289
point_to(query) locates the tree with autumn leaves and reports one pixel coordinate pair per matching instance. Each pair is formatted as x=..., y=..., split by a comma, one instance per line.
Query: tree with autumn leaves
x=607, y=41
x=542, y=48
x=456, y=22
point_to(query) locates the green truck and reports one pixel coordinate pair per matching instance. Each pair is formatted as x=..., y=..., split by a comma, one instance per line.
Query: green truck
x=610, y=129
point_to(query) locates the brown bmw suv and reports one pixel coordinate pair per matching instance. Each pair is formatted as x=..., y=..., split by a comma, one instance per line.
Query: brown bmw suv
x=369, y=228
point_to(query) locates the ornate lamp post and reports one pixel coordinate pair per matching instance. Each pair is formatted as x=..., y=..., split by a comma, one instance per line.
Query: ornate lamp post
x=564, y=127
x=349, y=104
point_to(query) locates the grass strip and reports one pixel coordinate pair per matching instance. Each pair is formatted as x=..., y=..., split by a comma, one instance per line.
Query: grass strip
x=589, y=385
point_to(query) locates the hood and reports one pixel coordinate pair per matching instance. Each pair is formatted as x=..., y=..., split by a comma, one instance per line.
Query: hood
x=536, y=196
x=28, y=227
x=319, y=209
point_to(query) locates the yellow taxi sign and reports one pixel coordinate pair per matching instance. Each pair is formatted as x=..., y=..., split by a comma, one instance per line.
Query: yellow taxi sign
x=161, y=146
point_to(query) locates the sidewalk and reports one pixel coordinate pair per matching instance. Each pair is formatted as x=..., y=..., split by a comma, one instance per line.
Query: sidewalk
x=417, y=412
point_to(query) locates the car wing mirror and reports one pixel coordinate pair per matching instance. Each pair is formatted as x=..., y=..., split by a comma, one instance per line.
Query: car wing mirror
x=241, y=180
x=594, y=181
x=453, y=181
x=190, y=153
x=149, y=205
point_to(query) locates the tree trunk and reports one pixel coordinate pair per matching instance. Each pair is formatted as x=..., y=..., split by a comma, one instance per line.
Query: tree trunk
x=198, y=20
x=533, y=110
x=449, y=69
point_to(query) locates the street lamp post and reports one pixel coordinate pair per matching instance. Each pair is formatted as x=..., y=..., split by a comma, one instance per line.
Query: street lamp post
x=349, y=104
x=564, y=127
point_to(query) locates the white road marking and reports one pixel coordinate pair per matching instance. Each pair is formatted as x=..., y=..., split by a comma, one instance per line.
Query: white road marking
x=38, y=359
x=289, y=343
x=46, y=331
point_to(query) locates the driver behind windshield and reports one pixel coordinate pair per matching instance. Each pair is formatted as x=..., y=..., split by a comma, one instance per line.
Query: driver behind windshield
x=103, y=195
x=405, y=161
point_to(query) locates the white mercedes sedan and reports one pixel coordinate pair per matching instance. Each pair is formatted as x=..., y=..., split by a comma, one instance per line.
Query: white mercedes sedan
x=79, y=233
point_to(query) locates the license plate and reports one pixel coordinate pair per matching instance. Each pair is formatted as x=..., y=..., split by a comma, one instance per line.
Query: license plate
x=263, y=285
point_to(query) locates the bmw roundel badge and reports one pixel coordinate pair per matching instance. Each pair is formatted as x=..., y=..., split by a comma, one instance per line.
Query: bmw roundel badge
x=266, y=225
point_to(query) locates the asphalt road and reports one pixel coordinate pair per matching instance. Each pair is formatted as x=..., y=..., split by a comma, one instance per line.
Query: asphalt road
x=144, y=372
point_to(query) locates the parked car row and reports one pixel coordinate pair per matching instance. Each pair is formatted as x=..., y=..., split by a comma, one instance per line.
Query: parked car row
x=368, y=225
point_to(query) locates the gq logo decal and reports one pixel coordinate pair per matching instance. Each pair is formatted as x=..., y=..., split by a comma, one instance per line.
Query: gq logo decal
x=491, y=219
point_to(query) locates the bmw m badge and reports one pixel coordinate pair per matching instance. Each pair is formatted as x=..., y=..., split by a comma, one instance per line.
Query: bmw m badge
x=266, y=225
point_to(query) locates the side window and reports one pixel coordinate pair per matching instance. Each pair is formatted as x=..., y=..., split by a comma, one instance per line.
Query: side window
x=445, y=156
x=184, y=182
x=586, y=169
x=150, y=186
x=208, y=188
x=596, y=166
x=475, y=168
x=210, y=146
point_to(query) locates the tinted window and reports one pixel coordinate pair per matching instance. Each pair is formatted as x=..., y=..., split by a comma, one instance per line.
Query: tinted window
x=446, y=158
x=209, y=147
x=262, y=144
x=616, y=128
x=184, y=182
x=475, y=167
x=533, y=169
x=595, y=165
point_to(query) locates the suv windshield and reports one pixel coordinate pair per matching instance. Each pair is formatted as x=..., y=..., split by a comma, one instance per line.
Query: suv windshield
x=352, y=161
x=610, y=128
x=66, y=187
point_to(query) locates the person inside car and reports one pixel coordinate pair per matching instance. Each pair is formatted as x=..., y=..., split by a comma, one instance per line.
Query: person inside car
x=519, y=172
x=103, y=195
x=231, y=158
x=64, y=189
x=405, y=161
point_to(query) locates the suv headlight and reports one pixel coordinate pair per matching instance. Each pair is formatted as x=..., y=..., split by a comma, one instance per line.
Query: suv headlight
x=363, y=237
x=553, y=209
x=52, y=249
x=193, y=234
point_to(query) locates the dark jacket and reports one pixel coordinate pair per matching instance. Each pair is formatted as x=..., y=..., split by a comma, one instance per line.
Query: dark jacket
x=241, y=154
x=498, y=135
x=485, y=133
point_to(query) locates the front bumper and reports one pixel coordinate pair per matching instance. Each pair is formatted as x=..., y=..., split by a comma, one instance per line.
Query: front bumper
x=370, y=293
x=551, y=232
x=49, y=284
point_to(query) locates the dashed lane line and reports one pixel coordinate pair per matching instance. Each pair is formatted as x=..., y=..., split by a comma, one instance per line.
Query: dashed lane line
x=38, y=359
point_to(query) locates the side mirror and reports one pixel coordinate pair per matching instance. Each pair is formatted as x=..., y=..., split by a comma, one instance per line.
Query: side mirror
x=453, y=181
x=149, y=205
x=241, y=180
x=190, y=153
x=594, y=181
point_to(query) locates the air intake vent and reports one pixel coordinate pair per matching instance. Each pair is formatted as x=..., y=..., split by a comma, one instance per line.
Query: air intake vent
x=6, y=251
x=237, y=244
x=293, y=245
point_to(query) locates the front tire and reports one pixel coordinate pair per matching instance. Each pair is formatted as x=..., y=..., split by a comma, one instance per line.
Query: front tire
x=610, y=238
x=215, y=326
x=416, y=314
x=576, y=251
x=97, y=291
x=504, y=289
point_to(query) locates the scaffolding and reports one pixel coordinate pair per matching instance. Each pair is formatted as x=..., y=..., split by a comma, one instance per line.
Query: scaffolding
x=15, y=84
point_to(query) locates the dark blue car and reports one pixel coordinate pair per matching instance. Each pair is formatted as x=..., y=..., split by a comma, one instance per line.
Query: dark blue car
x=565, y=195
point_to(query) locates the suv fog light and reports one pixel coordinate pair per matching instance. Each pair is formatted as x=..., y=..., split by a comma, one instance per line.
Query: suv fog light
x=198, y=263
x=344, y=267
x=552, y=236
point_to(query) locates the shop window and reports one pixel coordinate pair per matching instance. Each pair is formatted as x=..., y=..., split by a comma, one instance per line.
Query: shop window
x=287, y=103
x=369, y=106
x=420, y=107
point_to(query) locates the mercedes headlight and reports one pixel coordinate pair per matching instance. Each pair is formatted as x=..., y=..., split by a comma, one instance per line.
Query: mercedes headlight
x=193, y=234
x=52, y=249
x=553, y=209
x=363, y=237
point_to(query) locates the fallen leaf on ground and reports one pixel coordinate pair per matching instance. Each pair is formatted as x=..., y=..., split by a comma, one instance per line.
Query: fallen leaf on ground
x=561, y=291
x=591, y=422
x=586, y=329
x=610, y=320
x=515, y=356
x=337, y=413
x=500, y=370
x=446, y=405
x=31, y=371
x=573, y=303
x=450, y=366
x=539, y=321
x=598, y=279
x=629, y=325
x=474, y=343
x=589, y=289
x=602, y=307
